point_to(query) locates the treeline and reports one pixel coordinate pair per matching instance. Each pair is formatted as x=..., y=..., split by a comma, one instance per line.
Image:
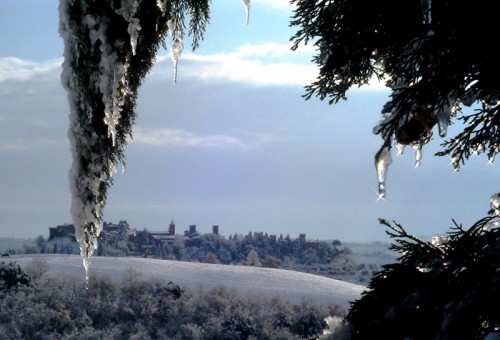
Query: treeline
x=36, y=305
x=255, y=248
x=326, y=258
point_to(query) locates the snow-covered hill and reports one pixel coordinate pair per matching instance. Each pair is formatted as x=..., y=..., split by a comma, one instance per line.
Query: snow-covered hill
x=290, y=285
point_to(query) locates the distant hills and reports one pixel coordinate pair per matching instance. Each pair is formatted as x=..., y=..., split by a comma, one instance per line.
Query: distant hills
x=372, y=252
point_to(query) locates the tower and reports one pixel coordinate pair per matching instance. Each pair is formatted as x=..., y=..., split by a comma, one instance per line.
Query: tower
x=192, y=229
x=171, y=228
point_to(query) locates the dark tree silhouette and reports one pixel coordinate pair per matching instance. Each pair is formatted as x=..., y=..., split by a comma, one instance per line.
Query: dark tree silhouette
x=12, y=277
x=432, y=54
x=435, y=58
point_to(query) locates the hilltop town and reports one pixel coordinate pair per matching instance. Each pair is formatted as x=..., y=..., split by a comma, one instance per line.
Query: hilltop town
x=327, y=258
x=112, y=233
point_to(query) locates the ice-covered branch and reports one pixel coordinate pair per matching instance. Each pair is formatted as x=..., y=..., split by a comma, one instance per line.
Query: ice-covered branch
x=109, y=47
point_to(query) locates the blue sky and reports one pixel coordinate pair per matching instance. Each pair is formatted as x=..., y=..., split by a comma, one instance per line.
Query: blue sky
x=233, y=143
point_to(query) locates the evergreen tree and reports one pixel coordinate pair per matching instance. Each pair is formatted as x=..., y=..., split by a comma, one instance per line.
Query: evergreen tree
x=450, y=284
x=430, y=55
x=433, y=56
x=252, y=258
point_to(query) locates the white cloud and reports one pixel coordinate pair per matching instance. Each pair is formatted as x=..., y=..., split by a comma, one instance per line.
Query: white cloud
x=278, y=4
x=253, y=72
x=18, y=69
x=268, y=64
x=30, y=144
x=374, y=85
x=271, y=49
x=171, y=138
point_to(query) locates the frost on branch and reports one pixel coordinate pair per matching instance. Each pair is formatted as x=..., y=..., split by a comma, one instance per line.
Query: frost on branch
x=449, y=284
x=495, y=204
x=337, y=328
x=109, y=47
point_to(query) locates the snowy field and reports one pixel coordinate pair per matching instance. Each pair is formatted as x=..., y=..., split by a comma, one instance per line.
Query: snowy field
x=290, y=285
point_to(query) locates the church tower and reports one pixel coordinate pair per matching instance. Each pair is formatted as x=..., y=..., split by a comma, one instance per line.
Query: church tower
x=171, y=228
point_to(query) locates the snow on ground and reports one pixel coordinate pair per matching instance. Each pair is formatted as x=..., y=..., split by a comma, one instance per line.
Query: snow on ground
x=289, y=285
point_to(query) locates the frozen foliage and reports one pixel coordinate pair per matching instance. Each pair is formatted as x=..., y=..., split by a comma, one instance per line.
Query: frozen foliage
x=12, y=278
x=85, y=212
x=449, y=284
x=129, y=12
x=162, y=5
x=109, y=46
x=139, y=307
x=382, y=161
x=337, y=329
x=495, y=204
x=439, y=240
x=108, y=77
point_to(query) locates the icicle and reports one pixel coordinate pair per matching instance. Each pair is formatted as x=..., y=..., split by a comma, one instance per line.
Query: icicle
x=426, y=11
x=455, y=163
x=86, y=265
x=246, y=3
x=443, y=117
x=128, y=11
x=400, y=148
x=443, y=120
x=418, y=154
x=491, y=158
x=171, y=27
x=495, y=204
x=133, y=30
x=383, y=159
x=114, y=88
x=177, y=46
x=176, y=52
